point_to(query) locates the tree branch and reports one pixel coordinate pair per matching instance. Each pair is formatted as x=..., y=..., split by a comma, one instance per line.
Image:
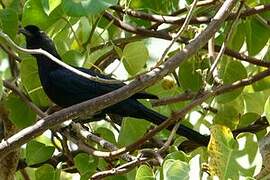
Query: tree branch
x=180, y=20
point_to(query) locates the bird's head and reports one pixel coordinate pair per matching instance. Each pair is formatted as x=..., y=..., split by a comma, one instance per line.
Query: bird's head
x=37, y=39
x=33, y=36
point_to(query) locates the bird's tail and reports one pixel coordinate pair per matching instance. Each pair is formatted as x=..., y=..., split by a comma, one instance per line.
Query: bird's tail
x=192, y=135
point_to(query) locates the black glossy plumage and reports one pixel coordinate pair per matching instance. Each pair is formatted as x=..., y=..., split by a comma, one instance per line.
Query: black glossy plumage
x=66, y=88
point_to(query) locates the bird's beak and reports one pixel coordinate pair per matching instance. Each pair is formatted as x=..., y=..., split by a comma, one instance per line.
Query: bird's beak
x=24, y=32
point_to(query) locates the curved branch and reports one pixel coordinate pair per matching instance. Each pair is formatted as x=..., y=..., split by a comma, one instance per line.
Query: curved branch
x=180, y=20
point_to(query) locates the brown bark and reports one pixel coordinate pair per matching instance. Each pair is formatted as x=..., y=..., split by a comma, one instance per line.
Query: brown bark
x=8, y=165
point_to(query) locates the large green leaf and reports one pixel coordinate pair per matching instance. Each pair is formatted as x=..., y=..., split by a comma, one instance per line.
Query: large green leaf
x=267, y=109
x=231, y=71
x=175, y=170
x=86, y=7
x=164, y=7
x=19, y=113
x=73, y=58
x=9, y=22
x=85, y=164
x=31, y=82
x=262, y=84
x=248, y=118
x=33, y=13
x=46, y=172
x=144, y=172
x=93, y=57
x=189, y=78
x=106, y=134
x=227, y=115
x=135, y=55
x=37, y=152
x=130, y=133
x=49, y=5
x=227, y=155
x=254, y=102
x=238, y=37
x=254, y=28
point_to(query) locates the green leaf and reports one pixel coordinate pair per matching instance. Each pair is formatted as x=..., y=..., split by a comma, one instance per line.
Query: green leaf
x=135, y=55
x=50, y=5
x=144, y=172
x=31, y=82
x=46, y=172
x=93, y=57
x=238, y=37
x=262, y=84
x=267, y=109
x=106, y=134
x=231, y=71
x=178, y=155
x=73, y=58
x=227, y=115
x=86, y=7
x=248, y=118
x=254, y=102
x=19, y=113
x=33, y=13
x=227, y=155
x=9, y=22
x=85, y=164
x=37, y=152
x=188, y=76
x=253, y=28
x=161, y=6
x=175, y=170
x=130, y=133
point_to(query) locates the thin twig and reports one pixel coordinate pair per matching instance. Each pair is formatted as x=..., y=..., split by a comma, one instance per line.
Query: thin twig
x=169, y=100
x=120, y=169
x=83, y=134
x=30, y=104
x=227, y=39
x=73, y=31
x=183, y=27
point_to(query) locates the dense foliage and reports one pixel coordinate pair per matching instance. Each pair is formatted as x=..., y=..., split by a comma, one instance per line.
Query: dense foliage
x=223, y=88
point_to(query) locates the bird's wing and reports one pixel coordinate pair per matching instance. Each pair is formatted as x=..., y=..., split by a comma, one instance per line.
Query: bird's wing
x=69, y=81
x=139, y=95
x=72, y=83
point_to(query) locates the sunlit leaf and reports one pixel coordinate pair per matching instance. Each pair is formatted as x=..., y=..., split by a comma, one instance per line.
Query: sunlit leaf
x=135, y=56
x=189, y=77
x=9, y=22
x=144, y=172
x=130, y=133
x=19, y=113
x=175, y=169
x=37, y=152
x=227, y=156
x=86, y=7
x=31, y=82
x=253, y=28
x=231, y=71
x=47, y=171
x=85, y=164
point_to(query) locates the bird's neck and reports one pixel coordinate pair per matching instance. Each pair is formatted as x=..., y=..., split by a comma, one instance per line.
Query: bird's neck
x=45, y=64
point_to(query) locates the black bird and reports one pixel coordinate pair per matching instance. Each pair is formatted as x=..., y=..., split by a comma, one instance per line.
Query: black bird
x=65, y=88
